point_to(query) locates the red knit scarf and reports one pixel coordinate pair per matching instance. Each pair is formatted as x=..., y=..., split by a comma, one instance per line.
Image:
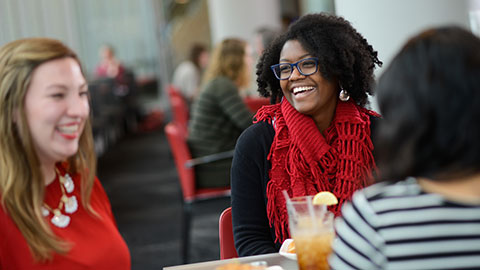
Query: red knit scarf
x=305, y=162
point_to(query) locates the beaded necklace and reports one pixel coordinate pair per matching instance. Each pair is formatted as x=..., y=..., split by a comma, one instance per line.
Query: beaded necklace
x=68, y=204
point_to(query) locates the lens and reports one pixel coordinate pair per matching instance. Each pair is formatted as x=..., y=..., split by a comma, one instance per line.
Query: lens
x=284, y=71
x=308, y=66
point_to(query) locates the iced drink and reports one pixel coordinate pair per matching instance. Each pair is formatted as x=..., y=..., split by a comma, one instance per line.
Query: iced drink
x=311, y=227
x=313, y=250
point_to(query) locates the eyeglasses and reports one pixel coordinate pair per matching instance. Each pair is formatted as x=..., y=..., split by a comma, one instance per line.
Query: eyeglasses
x=306, y=67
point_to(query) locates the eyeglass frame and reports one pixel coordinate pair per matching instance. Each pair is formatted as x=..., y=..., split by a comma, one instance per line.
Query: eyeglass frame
x=292, y=65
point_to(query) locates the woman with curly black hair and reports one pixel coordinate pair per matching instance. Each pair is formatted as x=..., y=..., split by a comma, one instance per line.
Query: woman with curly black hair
x=316, y=135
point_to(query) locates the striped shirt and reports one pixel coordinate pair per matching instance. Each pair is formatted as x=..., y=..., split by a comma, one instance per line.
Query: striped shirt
x=218, y=117
x=399, y=226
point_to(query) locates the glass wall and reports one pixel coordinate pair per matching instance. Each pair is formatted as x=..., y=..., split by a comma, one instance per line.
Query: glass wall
x=129, y=26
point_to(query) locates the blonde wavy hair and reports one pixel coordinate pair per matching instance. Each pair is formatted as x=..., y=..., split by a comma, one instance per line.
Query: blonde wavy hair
x=228, y=59
x=22, y=185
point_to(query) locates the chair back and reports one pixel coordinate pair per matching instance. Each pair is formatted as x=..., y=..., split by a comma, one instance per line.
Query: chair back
x=227, y=244
x=177, y=138
x=179, y=106
x=255, y=103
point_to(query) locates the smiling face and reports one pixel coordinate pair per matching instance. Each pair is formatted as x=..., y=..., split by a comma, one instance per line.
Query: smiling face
x=312, y=95
x=56, y=108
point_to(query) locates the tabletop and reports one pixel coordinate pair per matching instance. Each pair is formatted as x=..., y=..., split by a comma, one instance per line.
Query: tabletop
x=271, y=259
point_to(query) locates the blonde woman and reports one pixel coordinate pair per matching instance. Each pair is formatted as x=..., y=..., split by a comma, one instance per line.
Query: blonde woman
x=219, y=114
x=54, y=212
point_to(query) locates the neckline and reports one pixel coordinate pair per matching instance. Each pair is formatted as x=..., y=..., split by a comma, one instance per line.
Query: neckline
x=61, y=196
x=448, y=198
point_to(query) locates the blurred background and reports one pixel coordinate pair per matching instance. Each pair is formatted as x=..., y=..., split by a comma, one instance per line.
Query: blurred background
x=150, y=38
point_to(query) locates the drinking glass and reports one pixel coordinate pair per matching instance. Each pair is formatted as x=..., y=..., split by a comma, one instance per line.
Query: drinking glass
x=311, y=227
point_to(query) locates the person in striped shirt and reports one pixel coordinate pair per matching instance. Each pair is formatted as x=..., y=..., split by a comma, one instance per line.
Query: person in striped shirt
x=219, y=114
x=425, y=212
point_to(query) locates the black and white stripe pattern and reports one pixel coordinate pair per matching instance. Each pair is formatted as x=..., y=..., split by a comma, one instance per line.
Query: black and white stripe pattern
x=398, y=226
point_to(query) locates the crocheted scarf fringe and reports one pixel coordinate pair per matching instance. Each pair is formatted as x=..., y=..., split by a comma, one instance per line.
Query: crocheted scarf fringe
x=305, y=162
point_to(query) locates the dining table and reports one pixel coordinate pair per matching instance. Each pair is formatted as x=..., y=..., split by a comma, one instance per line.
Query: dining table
x=271, y=260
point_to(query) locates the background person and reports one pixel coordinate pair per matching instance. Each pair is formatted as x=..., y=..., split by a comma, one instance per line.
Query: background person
x=188, y=74
x=317, y=135
x=54, y=213
x=263, y=37
x=219, y=114
x=109, y=65
x=425, y=215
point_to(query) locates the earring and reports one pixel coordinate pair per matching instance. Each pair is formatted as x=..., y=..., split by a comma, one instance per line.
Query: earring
x=344, y=96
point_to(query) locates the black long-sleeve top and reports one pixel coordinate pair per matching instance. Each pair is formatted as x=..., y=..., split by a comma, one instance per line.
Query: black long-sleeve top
x=252, y=232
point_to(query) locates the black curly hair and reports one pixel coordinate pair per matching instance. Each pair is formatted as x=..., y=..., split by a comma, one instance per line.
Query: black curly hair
x=343, y=54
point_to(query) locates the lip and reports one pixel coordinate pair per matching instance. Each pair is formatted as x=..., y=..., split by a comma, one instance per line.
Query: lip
x=70, y=124
x=69, y=135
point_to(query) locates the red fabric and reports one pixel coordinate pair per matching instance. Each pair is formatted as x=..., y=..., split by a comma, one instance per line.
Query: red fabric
x=305, y=161
x=97, y=243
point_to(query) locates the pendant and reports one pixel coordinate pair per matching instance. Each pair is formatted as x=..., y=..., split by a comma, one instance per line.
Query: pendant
x=68, y=183
x=71, y=205
x=59, y=219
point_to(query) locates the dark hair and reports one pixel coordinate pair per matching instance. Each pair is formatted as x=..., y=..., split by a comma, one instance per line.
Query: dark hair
x=343, y=54
x=430, y=101
x=195, y=52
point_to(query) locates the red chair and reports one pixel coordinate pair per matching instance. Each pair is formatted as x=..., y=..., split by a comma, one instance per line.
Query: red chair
x=180, y=110
x=184, y=163
x=255, y=103
x=227, y=244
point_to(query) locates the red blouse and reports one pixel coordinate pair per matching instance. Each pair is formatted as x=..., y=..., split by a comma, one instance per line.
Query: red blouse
x=96, y=242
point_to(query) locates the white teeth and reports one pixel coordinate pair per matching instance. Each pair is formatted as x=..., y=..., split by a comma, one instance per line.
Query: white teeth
x=68, y=129
x=301, y=89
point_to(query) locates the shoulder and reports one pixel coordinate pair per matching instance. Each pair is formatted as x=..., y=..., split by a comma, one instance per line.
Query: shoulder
x=183, y=70
x=185, y=66
x=217, y=90
x=390, y=191
x=260, y=133
x=99, y=199
x=369, y=207
x=385, y=197
x=374, y=121
x=221, y=84
x=3, y=217
x=375, y=118
x=220, y=89
x=98, y=190
x=253, y=145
